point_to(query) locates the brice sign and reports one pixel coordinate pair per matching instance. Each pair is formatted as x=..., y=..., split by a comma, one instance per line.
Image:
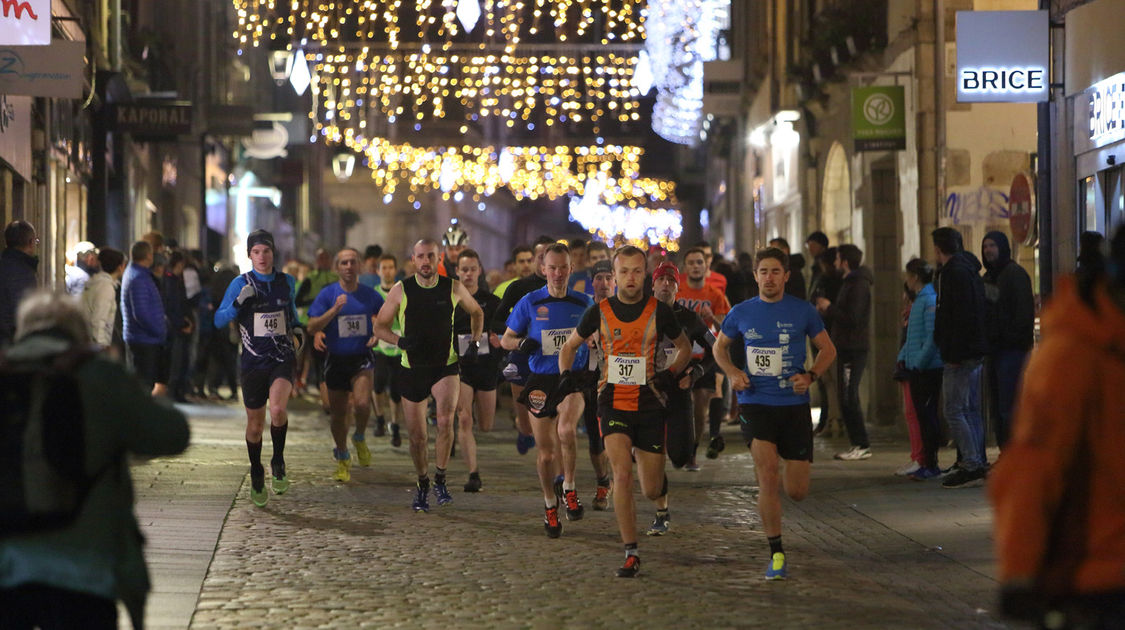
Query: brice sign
x=25, y=22
x=1002, y=57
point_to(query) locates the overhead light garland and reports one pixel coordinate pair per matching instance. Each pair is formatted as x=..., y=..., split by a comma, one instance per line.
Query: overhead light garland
x=626, y=215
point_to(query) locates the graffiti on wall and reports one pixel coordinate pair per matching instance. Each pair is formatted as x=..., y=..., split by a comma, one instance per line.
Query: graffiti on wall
x=972, y=206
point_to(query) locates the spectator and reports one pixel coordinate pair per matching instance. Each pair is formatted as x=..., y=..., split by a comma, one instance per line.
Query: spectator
x=922, y=361
x=1089, y=249
x=1059, y=504
x=816, y=243
x=143, y=323
x=1010, y=322
x=849, y=319
x=18, y=265
x=222, y=345
x=72, y=575
x=959, y=332
x=826, y=284
x=181, y=323
x=796, y=283
x=82, y=263
x=100, y=296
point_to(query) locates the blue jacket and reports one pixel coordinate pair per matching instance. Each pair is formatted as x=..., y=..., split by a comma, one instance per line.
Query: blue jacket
x=17, y=276
x=142, y=307
x=920, y=352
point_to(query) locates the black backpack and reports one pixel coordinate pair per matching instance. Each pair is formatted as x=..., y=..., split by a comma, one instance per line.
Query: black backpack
x=43, y=483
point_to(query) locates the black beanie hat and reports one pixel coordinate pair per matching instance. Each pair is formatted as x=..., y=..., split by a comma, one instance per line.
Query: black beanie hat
x=259, y=237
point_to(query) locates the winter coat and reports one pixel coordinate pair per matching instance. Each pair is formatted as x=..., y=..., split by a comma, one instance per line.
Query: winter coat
x=1010, y=312
x=796, y=284
x=959, y=319
x=849, y=315
x=142, y=308
x=99, y=553
x=920, y=352
x=1059, y=504
x=17, y=276
x=99, y=300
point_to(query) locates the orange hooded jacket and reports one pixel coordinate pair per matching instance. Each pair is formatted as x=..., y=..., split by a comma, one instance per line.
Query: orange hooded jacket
x=1058, y=489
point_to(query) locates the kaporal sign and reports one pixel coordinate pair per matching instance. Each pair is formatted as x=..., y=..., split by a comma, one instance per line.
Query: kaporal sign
x=1002, y=56
x=25, y=22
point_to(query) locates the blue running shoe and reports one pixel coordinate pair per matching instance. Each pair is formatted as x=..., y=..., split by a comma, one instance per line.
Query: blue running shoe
x=441, y=493
x=421, y=499
x=776, y=569
x=524, y=443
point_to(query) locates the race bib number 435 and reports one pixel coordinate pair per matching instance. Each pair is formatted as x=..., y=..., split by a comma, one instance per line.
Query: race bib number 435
x=553, y=339
x=626, y=370
x=763, y=361
x=269, y=324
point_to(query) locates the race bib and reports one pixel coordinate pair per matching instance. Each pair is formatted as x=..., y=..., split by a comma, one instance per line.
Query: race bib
x=553, y=340
x=626, y=370
x=466, y=340
x=763, y=361
x=269, y=324
x=352, y=326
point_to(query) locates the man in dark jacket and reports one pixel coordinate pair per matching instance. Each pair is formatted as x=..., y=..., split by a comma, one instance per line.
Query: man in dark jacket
x=142, y=315
x=1010, y=324
x=959, y=332
x=849, y=318
x=18, y=264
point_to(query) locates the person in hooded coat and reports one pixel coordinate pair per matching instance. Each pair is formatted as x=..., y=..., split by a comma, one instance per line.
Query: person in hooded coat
x=1009, y=325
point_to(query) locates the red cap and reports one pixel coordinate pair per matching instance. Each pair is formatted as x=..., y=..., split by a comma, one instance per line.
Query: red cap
x=666, y=268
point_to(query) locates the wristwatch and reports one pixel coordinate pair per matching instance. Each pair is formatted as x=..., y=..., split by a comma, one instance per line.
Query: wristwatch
x=814, y=375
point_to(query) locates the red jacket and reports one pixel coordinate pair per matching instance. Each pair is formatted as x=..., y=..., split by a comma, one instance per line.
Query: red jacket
x=1058, y=487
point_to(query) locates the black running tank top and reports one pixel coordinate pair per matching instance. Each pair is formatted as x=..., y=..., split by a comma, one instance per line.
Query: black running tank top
x=427, y=319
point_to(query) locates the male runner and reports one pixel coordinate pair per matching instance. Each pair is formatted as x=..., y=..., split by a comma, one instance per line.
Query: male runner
x=601, y=275
x=773, y=391
x=388, y=357
x=424, y=304
x=311, y=359
x=680, y=434
x=263, y=302
x=632, y=393
x=340, y=320
x=523, y=259
x=516, y=371
x=539, y=324
x=711, y=305
x=480, y=366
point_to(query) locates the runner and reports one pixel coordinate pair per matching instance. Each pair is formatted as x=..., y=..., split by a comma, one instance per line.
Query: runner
x=516, y=370
x=773, y=392
x=539, y=324
x=631, y=395
x=424, y=304
x=262, y=301
x=523, y=259
x=680, y=434
x=480, y=366
x=601, y=274
x=388, y=357
x=712, y=305
x=311, y=359
x=340, y=320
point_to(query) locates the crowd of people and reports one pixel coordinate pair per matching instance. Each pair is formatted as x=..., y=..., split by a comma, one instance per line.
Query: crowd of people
x=634, y=348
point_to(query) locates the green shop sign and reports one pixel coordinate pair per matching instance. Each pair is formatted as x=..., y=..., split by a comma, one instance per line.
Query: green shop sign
x=879, y=118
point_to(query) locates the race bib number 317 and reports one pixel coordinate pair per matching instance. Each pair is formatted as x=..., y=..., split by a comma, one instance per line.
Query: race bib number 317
x=626, y=370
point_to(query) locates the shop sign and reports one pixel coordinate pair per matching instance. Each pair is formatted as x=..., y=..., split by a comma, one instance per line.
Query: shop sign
x=1020, y=210
x=879, y=118
x=153, y=120
x=53, y=71
x=15, y=133
x=1002, y=56
x=25, y=22
x=1105, y=115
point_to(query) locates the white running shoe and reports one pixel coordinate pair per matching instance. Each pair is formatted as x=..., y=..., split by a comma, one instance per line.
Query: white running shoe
x=908, y=469
x=855, y=454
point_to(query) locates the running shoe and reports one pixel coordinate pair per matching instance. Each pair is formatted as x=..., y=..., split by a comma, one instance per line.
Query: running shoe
x=855, y=454
x=363, y=454
x=908, y=469
x=574, y=509
x=258, y=493
x=343, y=472
x=396, y=439
x=421, y=499
x=441, y=493
x=631, y=567
x=924, y=474
x=380, y=427
x=659, y=526
x=524, y=443
x=691, y=466
x=717, y=445
x=965, y=478
x=551, y=522
x=474, y=484
x=280, y=481
x=777, y=567
x=601, y=499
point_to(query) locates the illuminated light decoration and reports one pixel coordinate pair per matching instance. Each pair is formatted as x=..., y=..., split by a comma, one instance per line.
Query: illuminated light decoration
x=621, y=213
x=300, y=78
x=642, y=74
x=468, y=12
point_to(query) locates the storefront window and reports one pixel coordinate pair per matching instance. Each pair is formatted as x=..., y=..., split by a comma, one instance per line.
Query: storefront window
x=1089, y=200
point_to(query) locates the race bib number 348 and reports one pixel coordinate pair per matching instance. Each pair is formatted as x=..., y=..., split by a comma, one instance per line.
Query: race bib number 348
x=763, y=361
x=352, y=326
x=269, y=324
x=626, y=370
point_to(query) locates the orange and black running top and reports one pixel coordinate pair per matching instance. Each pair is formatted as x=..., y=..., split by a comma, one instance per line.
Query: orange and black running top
x=629, y=334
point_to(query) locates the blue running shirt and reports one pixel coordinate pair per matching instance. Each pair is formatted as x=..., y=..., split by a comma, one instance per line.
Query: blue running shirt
x=550, y=320
x=773, y=336
x=349, y=332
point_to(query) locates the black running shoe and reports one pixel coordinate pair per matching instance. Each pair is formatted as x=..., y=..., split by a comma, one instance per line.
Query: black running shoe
x=396, y=439
x=631, y=567
x=716, y=446
x=551, y=522
x=474, y=484
x=574, y=509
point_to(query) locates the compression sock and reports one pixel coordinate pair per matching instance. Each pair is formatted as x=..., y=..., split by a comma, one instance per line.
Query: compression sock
x=277, y=435
x=254, y=450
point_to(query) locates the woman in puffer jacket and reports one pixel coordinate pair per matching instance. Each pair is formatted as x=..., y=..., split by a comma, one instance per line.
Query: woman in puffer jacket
x=922, y=361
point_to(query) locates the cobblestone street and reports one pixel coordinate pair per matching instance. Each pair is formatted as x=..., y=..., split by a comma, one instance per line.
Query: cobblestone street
x=866, y=549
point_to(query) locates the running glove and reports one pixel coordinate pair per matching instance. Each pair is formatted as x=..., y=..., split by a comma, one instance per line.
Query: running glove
x=406, y=344
x=528, y=345
x=246, y=293
x=665, y=381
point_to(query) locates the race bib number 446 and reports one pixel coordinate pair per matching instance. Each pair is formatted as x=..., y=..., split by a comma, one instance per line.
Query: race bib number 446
x=553, y=339
x=626, y=370
x=763, y=361
x=269, y=324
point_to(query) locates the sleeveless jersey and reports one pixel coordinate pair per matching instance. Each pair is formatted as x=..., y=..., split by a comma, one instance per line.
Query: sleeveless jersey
x=426, y=316
x=265, y=322
x=629, y=362
x=383, y=347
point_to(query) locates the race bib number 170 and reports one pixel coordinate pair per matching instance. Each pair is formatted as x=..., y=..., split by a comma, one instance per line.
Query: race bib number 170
x=553, y=340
